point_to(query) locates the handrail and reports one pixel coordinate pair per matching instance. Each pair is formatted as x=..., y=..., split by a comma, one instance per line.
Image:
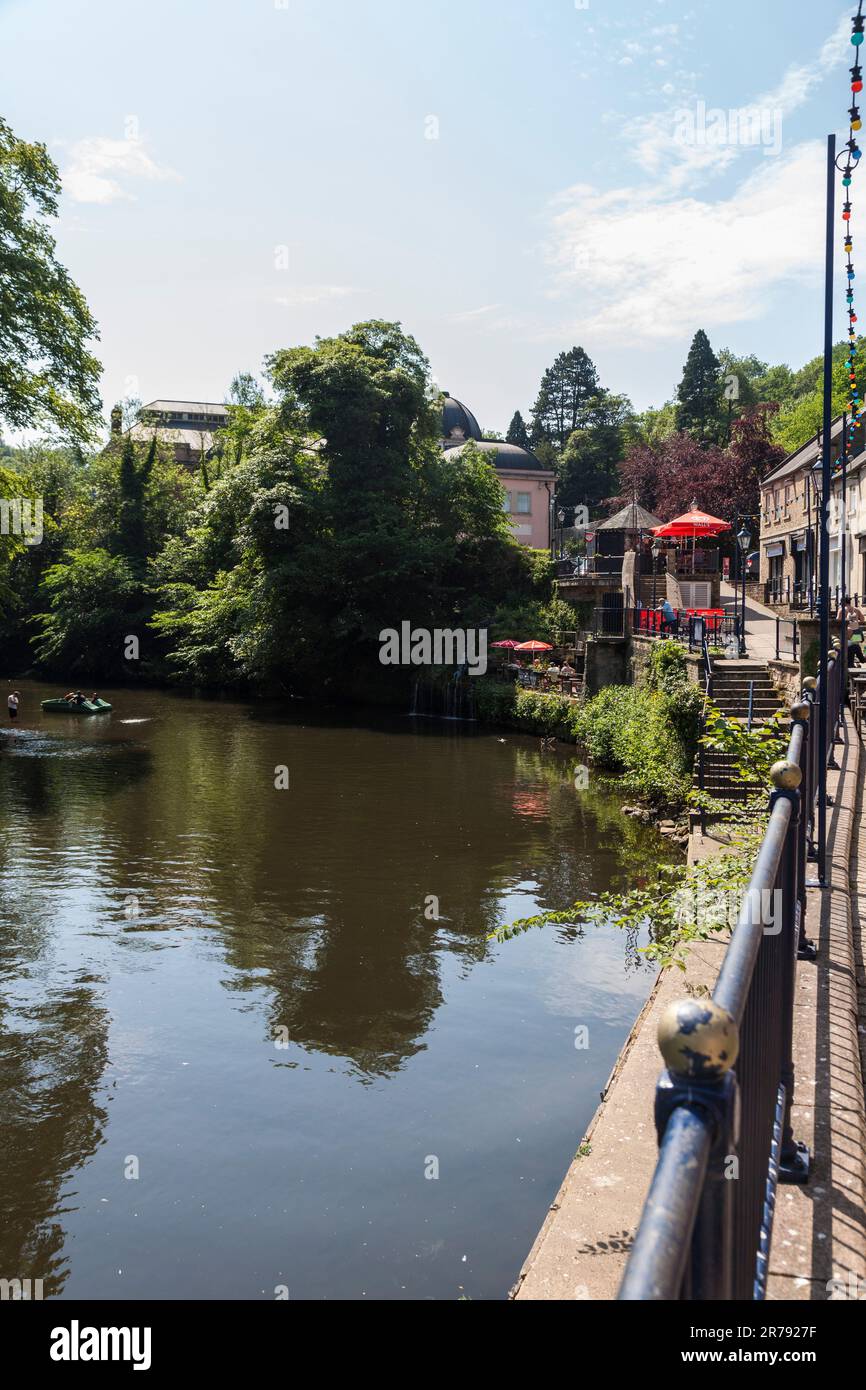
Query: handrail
x=727, y=1091
x=751, y=705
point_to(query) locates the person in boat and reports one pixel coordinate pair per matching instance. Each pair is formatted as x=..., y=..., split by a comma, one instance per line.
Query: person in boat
x=93, y=698
x=69, y=697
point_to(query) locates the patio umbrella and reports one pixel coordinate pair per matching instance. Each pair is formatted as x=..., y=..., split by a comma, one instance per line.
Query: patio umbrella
x=692, y=523
x=533, y=647
x=508, y=642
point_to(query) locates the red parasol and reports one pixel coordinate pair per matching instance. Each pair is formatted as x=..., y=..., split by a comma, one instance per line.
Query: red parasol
x=690, y=525
x=533, y=647
x=509, y=642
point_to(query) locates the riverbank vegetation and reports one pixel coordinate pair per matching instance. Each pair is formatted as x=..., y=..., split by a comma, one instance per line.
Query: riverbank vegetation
x=647, y=733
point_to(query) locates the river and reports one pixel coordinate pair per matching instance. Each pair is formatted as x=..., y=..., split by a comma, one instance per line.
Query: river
x=240, y=1056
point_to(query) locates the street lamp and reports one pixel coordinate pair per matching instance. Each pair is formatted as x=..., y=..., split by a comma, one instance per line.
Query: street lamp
x=744, y=541
x=817, y=476
x=560, y=516
x=656, y=548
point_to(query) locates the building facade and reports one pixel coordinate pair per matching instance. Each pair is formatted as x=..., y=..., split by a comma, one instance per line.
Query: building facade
x=190, y=426
x=528, y=485
x=790, y=522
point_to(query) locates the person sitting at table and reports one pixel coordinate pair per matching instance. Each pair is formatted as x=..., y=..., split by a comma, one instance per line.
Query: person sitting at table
x=566, y=670
x=669, y=617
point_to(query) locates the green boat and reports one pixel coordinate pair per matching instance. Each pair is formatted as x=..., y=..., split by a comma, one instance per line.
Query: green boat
x=67, y=707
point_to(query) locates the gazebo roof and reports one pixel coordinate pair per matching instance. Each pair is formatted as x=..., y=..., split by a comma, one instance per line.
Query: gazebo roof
x=632, y=517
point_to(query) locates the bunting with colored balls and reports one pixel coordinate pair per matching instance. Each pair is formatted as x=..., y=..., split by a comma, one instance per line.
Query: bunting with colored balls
x=851, y=155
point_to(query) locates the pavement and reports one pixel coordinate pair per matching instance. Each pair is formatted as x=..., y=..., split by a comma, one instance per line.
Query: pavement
x=818, y=1249
x=760, y=624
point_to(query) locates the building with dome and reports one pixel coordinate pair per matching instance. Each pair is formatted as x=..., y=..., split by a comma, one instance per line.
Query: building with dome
x=528, y=484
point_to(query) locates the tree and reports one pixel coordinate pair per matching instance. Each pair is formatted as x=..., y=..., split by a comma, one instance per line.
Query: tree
x=517, y=432
x=131, y=537
x=588, y=467
x=699, y=394
x=568, y=391
x=667, y=479
x=380, y=527
x=47, y=374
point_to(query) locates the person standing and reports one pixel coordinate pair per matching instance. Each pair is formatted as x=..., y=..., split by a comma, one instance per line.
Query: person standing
x=12, y=704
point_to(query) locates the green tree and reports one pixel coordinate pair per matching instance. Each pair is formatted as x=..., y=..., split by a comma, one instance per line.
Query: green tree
x=588, y=467
x=94, y=601
x=517, y=432
x=47, y=374
x=569, y=390
x=699, y=394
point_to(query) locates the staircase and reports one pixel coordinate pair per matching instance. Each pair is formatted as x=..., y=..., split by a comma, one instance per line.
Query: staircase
x=732, y=681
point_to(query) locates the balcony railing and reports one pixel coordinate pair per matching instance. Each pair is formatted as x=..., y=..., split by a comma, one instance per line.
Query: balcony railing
x=728, y=1087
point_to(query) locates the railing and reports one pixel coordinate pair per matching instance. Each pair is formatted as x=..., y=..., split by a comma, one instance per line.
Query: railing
x=787, y=639
x=688, y=627
x=723, y=1104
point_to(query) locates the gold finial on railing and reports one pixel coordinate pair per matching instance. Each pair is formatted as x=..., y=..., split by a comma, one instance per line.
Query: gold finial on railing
x=800, y=711
x=785, y=775
x=810, y=683
x=698, y=1039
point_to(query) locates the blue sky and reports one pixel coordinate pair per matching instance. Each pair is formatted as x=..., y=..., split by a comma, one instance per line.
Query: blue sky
x=505, y=177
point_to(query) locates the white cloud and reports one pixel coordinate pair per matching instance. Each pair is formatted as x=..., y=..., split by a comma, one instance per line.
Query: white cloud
x=99, y=167
x=299, y=295
x=656, y=140
x=651, y=267
x=470, y=315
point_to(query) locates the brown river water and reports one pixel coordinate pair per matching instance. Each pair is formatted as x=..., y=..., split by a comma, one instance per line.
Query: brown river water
x=238, y=1053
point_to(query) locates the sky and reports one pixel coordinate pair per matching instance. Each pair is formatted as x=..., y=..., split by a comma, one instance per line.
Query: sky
x=507, y=178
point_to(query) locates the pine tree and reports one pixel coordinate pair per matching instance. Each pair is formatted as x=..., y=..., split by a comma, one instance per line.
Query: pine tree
x=517, y=432
x=700, y=409
x=569, y=390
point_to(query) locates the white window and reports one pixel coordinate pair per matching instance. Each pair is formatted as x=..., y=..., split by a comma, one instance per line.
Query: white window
x=506, y=502
x=524, y=503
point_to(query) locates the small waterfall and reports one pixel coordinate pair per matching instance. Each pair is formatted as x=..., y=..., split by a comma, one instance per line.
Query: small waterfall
x=448, y=697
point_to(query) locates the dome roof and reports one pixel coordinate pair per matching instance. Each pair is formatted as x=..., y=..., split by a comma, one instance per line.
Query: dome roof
x=458, y=422
x=506, y=457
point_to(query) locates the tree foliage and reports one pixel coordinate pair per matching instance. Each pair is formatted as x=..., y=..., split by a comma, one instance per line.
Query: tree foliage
x=48, y=376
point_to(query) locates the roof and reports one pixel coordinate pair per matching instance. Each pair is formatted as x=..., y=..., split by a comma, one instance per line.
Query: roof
x=632, y=517
x=803, y=457
x=458, y=422
x=192, y=438
x=187, y=407
x=507, y=458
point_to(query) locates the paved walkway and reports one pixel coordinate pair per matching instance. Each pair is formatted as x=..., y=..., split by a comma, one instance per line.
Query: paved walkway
x=760, y=624
x=819, y=1238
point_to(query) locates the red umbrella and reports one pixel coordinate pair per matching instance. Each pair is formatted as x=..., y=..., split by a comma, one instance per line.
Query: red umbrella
x=533, y=647
x=692, y=524
x=509, y=642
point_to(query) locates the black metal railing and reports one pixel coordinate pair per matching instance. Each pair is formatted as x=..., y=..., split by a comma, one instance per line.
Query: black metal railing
x=723, y=1104
x=787, y=639
x=690, y=628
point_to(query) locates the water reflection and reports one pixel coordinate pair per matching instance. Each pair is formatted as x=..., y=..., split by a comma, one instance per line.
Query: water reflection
x=158, y=886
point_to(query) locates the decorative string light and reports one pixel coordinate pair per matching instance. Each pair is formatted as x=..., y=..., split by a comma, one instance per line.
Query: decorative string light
x=851, y=155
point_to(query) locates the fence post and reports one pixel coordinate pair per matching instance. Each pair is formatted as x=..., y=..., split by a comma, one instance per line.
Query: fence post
x=787, y=778
x=699, y=1042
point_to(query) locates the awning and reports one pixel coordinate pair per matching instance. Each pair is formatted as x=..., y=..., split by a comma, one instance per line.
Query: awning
x=800, y=542
x=774, y=550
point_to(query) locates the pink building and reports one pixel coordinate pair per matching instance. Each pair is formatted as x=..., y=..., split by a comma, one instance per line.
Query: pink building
x=527, y=483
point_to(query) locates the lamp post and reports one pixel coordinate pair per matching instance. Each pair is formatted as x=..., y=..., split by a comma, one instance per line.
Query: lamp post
x=817, y=476
x=656, y=552
x=560, y=516
x=744, y=541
